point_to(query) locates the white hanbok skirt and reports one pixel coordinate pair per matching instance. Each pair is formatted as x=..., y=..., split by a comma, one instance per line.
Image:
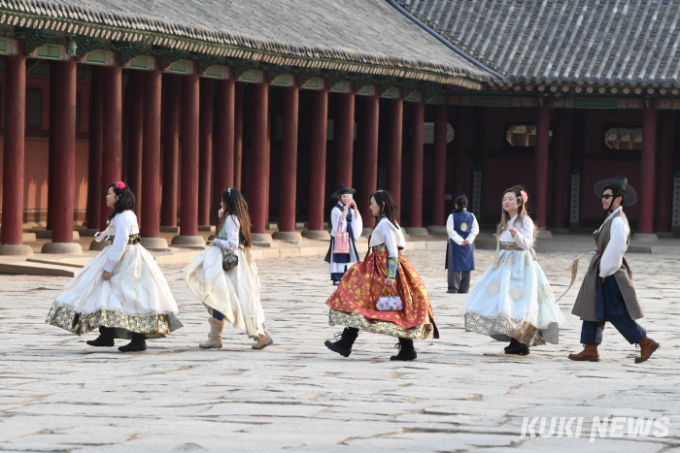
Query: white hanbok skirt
x=137, y=298
x=234, y=293
x=513, y=299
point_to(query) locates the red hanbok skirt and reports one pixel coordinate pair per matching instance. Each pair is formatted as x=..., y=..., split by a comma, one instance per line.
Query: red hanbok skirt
x=353, y=302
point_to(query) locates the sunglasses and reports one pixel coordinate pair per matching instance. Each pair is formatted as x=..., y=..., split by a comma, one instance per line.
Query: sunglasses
x=607, y=196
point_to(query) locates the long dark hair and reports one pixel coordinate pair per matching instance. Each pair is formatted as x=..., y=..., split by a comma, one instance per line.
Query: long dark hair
x=235, y=204
x=126, y=202
x=460, y=203
x=387, y=207
x=522, y=211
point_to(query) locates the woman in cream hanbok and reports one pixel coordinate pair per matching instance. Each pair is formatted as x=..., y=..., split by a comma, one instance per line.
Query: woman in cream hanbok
x=232, y=295
x=121, y=291
x=513, y=299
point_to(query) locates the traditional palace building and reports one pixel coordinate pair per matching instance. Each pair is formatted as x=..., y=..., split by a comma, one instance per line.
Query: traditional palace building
x=285, y=99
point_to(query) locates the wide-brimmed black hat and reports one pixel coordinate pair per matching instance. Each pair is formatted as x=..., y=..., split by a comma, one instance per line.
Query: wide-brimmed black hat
x=342, y=189
x=619, y=182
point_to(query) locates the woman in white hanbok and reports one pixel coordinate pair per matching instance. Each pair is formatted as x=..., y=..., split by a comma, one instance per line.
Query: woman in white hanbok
x=121, y=291
x=345, y=218
x=513, y=299
x=232, y=295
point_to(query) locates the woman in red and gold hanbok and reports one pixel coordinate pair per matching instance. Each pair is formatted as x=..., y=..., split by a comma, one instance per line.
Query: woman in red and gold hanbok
x=383, y=272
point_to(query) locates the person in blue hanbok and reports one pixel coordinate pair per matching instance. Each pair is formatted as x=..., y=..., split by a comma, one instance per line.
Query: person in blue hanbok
x=345, y=217
x=513, y=299
x=462, y=228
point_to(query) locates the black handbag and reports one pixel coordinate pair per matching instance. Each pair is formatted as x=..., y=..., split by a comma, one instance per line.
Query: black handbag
x=229, y=260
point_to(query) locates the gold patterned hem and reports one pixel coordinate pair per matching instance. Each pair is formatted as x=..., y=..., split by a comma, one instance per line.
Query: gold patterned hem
x=358, y=321
x=153, y=326
x=503, y=328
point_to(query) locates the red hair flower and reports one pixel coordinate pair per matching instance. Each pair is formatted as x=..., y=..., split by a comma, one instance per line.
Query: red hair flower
x=525, y=197
x=120, y=185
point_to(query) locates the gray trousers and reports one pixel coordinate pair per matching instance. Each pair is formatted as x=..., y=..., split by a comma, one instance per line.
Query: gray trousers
x=459, y=281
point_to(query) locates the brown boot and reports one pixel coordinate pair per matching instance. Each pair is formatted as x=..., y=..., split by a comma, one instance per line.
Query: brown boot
x=647, y=347
x=589, y=354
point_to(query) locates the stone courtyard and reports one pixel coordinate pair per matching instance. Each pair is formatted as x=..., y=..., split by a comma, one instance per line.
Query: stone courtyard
x=462, y=394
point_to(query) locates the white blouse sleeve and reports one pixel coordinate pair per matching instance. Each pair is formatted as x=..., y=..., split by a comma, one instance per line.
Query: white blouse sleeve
x=453, y=234
x=336, y=218
x=387, y=231
x=119, y=241
x=525, y=234
x=612, y=258
x=231, y=225
x=474, y=231
x=357, y=224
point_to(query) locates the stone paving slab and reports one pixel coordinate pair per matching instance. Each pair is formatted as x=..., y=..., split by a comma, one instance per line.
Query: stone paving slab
x=462, y=394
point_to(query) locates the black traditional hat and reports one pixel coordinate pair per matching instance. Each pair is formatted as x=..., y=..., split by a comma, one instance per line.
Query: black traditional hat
x=621, y=183
x=342, y=189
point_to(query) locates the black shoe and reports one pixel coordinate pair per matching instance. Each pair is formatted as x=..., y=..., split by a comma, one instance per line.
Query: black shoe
x=452, y=291
x=515, y=347
x=105, y=338
x=138, y=343
x=343, y=345
x=336, y=283
x=406, y=350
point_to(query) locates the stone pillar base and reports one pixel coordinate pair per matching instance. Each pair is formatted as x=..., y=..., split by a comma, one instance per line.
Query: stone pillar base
x=94, y=245
x=87, y=231
x=436, y=229
x=155, y=244
x=207, y=228
x=417, y=231
x=261, y=239
x=62, y=248
x=316, y=234
x=197, y=242
x=28, y=237
x=16, y=250
x=288, y=236
x=645, y=237
x=544, y=234
x=170, y=229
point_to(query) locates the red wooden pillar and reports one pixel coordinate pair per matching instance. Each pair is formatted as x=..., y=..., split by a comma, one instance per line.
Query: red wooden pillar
x=664, y=167
x=13, y=157
x=647, y=173
x=188, y=220
x=317, y=170
x=238, y=134
x=417, y=168
x=438, y=201
x=395, y=150
x=151, y=162
x=345, y=133
x=207, y=89
x=171, y=100
x=258, y=174
x=135, y=138
x=63, y=135
x=94, y=165
x=541, y=169
x=224, y=140
x=287, y=200
x=561, y=172
x=112, y=151
x=370, y=151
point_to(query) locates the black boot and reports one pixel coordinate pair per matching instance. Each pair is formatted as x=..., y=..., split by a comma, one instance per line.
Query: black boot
x=515, y=347
x=105, y=338
x=343, y=346
x=138, y=343
x=406, y=350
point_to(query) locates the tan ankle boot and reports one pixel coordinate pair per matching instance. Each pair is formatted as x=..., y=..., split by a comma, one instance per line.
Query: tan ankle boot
x=215, y=335
x=589, y=354
x=647, y=347
x=263, y=342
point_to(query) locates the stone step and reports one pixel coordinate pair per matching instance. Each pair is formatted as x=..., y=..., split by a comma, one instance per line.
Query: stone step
x=32, y=268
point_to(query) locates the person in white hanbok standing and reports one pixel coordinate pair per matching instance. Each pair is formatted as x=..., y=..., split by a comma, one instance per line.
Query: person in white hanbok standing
x=513, y=299
x=345, y=218
x=232, y=295
x=121, y=291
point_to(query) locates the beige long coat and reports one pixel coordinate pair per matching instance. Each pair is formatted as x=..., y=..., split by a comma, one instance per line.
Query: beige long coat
x=584, y=307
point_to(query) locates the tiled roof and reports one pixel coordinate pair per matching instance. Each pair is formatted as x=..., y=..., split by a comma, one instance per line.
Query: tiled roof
x=362, y=32
x=583, y=42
